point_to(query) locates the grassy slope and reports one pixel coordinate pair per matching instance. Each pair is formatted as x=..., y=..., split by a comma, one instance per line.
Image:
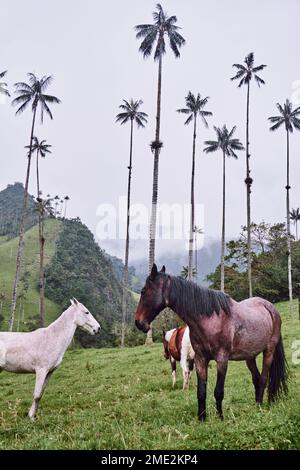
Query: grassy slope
x=8, y=250
x=110, y=398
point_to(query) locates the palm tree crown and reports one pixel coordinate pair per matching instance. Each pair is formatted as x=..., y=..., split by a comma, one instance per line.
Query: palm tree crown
x=33, y=92
x=295, y=215
x=194, y=107
x=163, y=25
x=130, y=111
x=40, y=146
x=288, y=117
x=3, y=85
x=246, y=72
x=225, y=142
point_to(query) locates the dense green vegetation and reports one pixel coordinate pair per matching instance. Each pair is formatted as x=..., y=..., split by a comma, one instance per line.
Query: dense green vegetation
x=75, y=266
x=28, y=295
x=269, y=264
x=11, y=200
x=123, y=399
x=81, y=269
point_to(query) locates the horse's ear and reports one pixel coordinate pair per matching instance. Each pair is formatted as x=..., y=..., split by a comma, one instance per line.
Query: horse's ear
x=72, y=302
x=164, y=334
x=163, y=269
x=75, y=301
x=153, y=271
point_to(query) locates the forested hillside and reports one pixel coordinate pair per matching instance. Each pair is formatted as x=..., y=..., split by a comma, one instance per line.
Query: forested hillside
x=75, y=266
x=11, y=200
x=81, y=269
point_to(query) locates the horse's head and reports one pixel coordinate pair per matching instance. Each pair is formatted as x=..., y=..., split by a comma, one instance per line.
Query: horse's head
x=166, y=346
x=83, y=318
x=153, y=298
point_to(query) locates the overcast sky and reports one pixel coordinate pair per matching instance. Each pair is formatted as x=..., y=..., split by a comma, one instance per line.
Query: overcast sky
x=90, y=49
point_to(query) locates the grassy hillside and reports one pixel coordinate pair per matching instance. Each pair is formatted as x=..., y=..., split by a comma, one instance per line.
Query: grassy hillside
x=123, y=399
x=29, y=274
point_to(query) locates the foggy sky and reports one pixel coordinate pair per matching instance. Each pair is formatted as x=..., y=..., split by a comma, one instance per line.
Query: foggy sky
x=90, y=48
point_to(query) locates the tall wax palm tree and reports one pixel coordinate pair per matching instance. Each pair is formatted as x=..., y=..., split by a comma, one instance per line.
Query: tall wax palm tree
x=185, y=272
x=31, y=93
x=228, y=146
x=245, y=73
x=154, y=36
x=295, y=217
x=130, y=113
x=66, y=198
x=194, y=108
x=41, y=148
x=3, y=85
x=290, y=118
x=56, y=204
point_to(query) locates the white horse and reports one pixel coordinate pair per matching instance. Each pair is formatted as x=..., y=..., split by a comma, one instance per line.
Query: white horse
x=41, y=351
x=178, y=348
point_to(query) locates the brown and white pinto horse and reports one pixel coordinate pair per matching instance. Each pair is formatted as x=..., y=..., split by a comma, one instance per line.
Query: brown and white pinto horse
x=178, y=348
x=221, y=329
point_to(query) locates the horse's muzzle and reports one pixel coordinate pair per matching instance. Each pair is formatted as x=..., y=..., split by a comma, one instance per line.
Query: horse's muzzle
x=143, y=326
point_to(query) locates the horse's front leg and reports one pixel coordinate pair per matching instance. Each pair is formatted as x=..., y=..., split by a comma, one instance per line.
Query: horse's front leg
x=222, y=365
x=41, y=375
x=201, y=365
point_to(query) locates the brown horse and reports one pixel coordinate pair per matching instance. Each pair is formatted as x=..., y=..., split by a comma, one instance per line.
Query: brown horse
x=221, y=329
x=178, y=348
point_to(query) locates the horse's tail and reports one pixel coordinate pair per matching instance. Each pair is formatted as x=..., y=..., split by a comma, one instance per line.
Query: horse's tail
x=278, y=373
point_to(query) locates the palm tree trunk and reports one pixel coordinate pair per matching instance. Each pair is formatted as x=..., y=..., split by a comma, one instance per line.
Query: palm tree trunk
x=288, y=224
x=149, y=339
x=125, y=270
x=192, y=220
x=37, y=175
x=65, y=211
x=296, y=230
x=248, y=182
x=196, y=256
x=223, y=228
x=41, y=274
x=22, y=229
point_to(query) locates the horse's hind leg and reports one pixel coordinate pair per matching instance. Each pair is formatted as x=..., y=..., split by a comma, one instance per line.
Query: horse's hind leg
x=267, y=361
x=173, y=366
x=191, y=367
x=219, y=389
x=201, y=368
x=251, y=363
x=41, y=376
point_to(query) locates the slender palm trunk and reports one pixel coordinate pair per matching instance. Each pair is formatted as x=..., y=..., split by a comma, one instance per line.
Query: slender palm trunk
x=248, y=186
x=192, y=220
x=288, y=223
x=65, y=211
x=196, y=256
x=149, y=339
x=125, y=270
x=296, y=230
x=22, y=229
x=223, y=227
x=42, y=274
x=41, y=246
x=37, y=175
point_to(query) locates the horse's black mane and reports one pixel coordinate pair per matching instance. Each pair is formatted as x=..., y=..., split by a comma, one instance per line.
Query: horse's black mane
x=194, y=300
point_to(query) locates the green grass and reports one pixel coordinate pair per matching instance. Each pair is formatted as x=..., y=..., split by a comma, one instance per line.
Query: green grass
x=8, y=251
x=123, y=399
